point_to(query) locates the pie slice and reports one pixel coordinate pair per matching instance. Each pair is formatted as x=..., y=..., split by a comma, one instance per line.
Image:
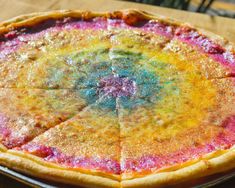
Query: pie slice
x=26, y=113
x=51, y=56
x=62, y=152
x=118, y=99
x=208, y=54
x=192, y=132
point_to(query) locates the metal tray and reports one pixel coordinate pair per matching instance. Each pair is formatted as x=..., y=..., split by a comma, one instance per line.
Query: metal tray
x=35, y=182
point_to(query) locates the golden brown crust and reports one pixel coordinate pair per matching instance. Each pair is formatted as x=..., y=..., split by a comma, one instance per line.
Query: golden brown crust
x=204, y=167
x=39, y=168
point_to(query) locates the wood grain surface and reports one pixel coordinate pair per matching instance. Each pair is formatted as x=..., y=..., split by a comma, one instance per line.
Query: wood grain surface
x=10, y=8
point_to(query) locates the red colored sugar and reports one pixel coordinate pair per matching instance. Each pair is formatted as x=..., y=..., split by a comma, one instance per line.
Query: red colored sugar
x=8, y=139
x=206, y=45
x=52, y=154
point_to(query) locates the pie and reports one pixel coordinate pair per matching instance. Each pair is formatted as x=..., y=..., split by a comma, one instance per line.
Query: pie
x=119, y=99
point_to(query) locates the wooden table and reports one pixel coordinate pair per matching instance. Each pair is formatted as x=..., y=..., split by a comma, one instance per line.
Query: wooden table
x=218, y=25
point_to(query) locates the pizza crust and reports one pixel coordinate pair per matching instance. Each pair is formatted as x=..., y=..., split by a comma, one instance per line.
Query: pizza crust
x=202, y=168
x=37, y=167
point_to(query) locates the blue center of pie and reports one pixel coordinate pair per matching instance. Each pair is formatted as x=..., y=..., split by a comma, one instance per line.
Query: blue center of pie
x=107, y=79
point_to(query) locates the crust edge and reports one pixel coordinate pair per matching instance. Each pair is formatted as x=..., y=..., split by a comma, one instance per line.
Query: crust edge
x=202, y=168
x=39, y=16
x=31, y=167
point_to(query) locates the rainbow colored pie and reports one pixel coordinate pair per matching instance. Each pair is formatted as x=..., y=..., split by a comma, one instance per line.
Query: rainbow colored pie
x=120, y=99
